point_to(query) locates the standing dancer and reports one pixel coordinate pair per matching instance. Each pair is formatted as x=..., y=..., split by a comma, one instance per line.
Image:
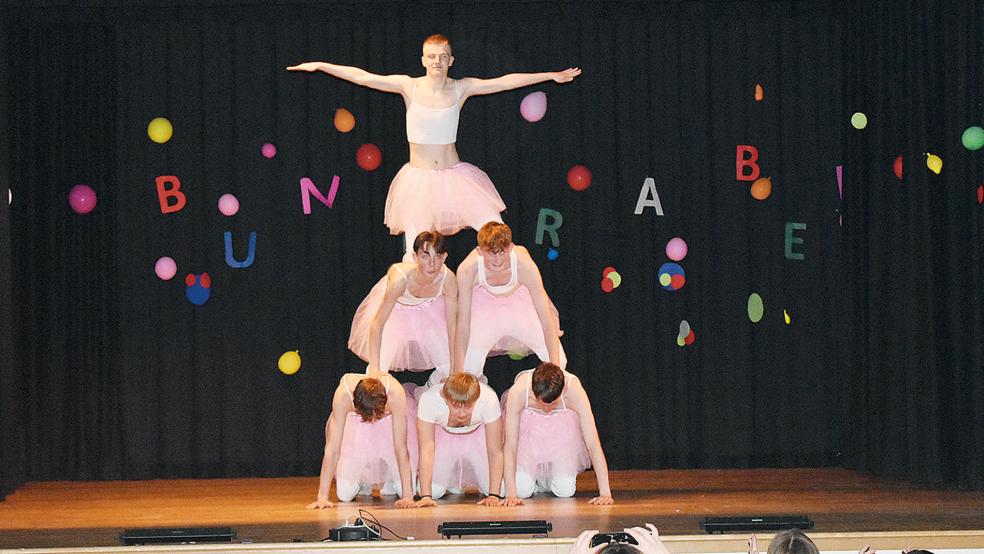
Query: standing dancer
x=459, y=427
x=502, y=305
x=436, y=190
x=366, y=442
x=550, y=436
x=407, y=320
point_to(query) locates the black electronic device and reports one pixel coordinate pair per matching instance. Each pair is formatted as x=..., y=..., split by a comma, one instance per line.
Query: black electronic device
x=755, y=523
x=357, y=531
x=182, y=535
x=612, y=538
x=527, y=527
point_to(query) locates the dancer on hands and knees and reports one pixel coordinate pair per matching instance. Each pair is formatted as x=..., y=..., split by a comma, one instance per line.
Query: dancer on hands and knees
x=436, y=190
x=366, y=442
x=459, y=429
x=502, y=305
x=550, y=436
x=407, y=320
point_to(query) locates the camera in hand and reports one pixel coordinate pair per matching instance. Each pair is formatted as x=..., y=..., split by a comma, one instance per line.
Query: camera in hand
x=612, y=538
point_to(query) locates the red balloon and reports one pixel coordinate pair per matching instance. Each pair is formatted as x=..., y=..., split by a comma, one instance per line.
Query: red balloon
x=897, y=167
x=607, y=285
x=980, y=194
x=368, y=157
x=579, y=177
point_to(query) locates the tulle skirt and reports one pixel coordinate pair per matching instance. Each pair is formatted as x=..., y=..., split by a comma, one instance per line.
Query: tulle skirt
x=550, y=445
x=444, y=200
x=414, y=337
x=505, y=325
x=367, y=454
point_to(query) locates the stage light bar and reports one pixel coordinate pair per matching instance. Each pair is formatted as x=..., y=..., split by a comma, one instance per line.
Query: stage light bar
x=755, y=523
x=462, y=528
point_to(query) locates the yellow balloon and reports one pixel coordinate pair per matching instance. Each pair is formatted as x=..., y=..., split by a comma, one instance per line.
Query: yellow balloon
x=344, y=120
x=160, y=130
x=785, y=316
x=289, y=362
x=934, y=163
x=615, y=277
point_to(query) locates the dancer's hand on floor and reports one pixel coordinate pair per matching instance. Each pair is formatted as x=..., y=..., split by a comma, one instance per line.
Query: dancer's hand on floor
x=490, y=501
x=511, y=501
x=602, y=501
x=404, y=503
x=648, y=539
x=319, y=504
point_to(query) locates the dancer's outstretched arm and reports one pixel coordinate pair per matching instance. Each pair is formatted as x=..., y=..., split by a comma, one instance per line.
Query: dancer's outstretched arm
x=577, y=399
x=396, y=283
x=514, y=404
x=341, y=405
x=396, y=403
x=529, y=275
x=473, y=87
x=399, y=84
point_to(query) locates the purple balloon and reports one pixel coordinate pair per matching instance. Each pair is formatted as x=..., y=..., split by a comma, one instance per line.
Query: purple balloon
x=82, y=199
x=533, y=107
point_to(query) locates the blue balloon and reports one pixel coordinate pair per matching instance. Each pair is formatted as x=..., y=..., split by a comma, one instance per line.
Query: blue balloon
x=552, y=254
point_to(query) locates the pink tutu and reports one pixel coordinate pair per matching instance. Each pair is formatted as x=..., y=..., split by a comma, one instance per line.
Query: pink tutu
x=550, y=444
x=444, y=200
x=504, y=325
x=367, y=454
x=461, y=460
x=414, y=337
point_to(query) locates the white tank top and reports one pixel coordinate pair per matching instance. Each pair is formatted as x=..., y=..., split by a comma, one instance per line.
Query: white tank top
x=408, y=299
x=499, y=289
x=433, y=125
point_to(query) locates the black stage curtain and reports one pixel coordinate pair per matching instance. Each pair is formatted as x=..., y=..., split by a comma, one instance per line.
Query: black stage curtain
x=915, y=245
x=124, y=378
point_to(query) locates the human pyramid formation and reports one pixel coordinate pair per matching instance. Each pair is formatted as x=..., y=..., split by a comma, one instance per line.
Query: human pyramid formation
x=450, y=434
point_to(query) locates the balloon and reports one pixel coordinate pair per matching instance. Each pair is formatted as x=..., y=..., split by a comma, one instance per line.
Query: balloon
x=676, y=249
x=785, y=316
x=344, y=120
x=553, y=254
x=691, y=337
x=759, y=92
x=755, y=307
x=897, y=167
x=533, y=107
x=82, y=199
x=289, y=362
x=579, y=177
x=160, y=130
x=980, y=195
x=165, y=268
x=268, y=150
x=607, y=284
x=762, y=188
x=368, y=157
x=934, y=163
x=671, y=276
x=199, y=288
x=973, y=138
x=228, y=204
x=615, y=277
x=859, y=120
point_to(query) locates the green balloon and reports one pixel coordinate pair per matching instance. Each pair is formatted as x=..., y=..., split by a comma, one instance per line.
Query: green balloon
x=755, y=307
x=859, y=120
x=973, y=138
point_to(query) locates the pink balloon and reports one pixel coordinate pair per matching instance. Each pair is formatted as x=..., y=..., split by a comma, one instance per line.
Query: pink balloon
x=82, y=199
x=165, y=268
x=533, y=107
x=676, y=249
x=268, y=150
x=228, y=204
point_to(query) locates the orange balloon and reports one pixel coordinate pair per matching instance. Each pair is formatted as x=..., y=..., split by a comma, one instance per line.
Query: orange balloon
x=344, y=120
x=759, y=93
x=762, y=188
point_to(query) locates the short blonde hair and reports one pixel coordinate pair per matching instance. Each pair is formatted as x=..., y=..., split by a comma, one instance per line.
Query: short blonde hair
x=461, y=388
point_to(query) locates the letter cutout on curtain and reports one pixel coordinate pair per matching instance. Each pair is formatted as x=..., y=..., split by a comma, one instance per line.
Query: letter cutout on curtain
x=542, y=226
x=741, y=162
x=648, y=197
x=791, y=240
x=231, y=259
x=308, y=188
x=163, y=193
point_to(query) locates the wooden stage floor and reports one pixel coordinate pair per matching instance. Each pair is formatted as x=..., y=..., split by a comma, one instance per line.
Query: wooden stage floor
x=77, y=514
